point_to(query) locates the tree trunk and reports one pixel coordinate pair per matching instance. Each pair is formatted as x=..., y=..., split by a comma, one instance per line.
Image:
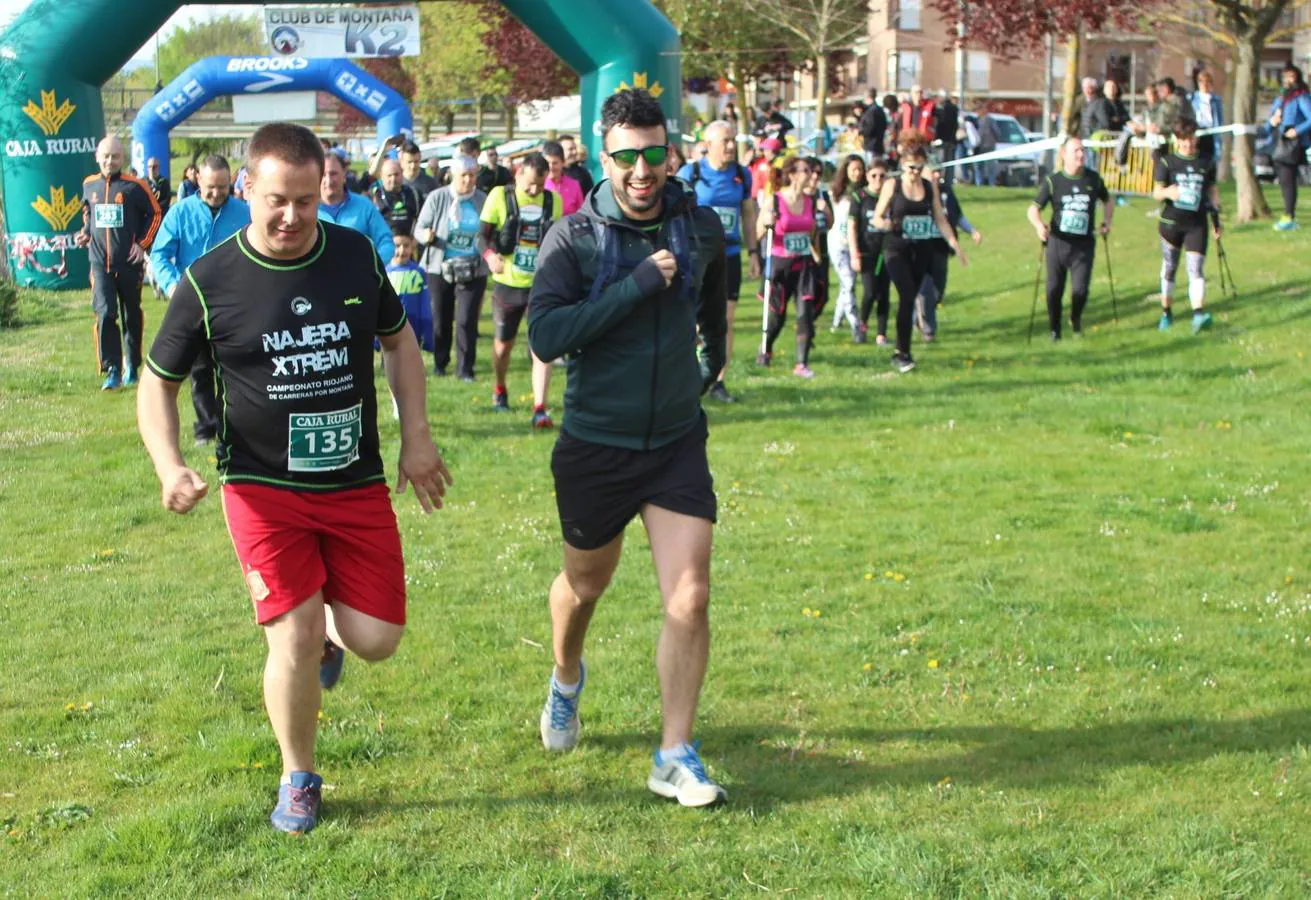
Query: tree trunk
x=510, y=115
x=478, y=115
x=1251, y=202
x=821, y=99
x=1070, y=89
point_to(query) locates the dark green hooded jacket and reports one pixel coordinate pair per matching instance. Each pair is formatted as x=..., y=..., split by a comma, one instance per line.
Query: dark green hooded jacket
x=637, y=364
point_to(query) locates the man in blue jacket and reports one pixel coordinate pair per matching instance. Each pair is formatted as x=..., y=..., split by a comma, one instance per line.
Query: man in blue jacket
x=622, y=288
x=336, y=204
x=191, y=228
x=1208, y=112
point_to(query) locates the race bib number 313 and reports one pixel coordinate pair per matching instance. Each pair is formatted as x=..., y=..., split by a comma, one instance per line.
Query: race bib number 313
x=919, y=228
x=323, y=442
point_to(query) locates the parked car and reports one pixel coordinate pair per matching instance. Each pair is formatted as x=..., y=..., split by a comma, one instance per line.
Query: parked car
x=1023, y=169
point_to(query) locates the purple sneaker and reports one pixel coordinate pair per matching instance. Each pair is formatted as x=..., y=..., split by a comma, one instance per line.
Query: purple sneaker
x=297, y=811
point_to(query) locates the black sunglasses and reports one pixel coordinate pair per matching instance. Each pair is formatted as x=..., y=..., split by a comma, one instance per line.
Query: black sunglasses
x=654, y=155
x=913, y=168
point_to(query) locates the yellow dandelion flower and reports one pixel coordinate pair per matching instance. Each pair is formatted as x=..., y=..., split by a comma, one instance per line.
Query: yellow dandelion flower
x=869, y=576
x=868, y=667
x=933, y=664
x=887, y=574
x=805, y=611
x=898, y=578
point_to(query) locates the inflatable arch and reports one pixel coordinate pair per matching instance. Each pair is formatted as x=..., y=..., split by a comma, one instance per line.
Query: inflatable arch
x=222, y=75
x=56, y=55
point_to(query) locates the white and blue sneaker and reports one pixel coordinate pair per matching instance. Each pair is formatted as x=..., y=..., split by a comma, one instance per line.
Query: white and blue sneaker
x=560, y=723
x=679, y=774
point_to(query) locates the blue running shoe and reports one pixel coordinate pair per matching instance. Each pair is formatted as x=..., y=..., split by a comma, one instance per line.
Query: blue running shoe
x=330, y=666
x=131, y=378
x=112, y=381
x=680, y=775
x=1286, y=223
x=560, y=723
x=1165, y=323
x=1201, y=321
x=297, y=811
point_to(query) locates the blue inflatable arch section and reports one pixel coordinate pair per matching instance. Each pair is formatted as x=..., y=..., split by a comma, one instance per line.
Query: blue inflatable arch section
x=220, y=76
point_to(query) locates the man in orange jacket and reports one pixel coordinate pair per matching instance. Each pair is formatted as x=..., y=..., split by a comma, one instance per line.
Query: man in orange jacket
x=120, y=217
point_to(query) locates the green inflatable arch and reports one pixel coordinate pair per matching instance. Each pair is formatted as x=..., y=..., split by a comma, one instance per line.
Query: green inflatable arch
x=57, y=54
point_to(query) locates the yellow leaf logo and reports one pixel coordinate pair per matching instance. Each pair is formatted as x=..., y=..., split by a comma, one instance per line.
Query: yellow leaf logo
x=48, y=116
x=57, y=211
x=640, y=83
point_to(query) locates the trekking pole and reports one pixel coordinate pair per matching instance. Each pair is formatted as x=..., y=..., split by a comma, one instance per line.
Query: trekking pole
x=1110, y=275
x=1037, y=281
x=1225, y=271
x=769, y=279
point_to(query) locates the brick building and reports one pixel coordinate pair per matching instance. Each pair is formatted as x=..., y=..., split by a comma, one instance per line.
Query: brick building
x=907, y=42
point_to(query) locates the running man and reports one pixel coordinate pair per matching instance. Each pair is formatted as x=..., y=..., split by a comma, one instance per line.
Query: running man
x=119, y=219
x=1186, y=188
x=724, y=184
x=289, y=309
x=622, y=287
x=514, y=221
x=1073, y=192
x=192, y=228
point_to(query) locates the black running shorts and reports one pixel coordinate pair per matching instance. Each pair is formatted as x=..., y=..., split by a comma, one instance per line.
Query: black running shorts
x=508, y=307
x=1193, y=238
x=599, y=489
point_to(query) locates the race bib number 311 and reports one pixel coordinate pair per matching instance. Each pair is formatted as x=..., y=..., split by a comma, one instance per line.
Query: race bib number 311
x=323, y=442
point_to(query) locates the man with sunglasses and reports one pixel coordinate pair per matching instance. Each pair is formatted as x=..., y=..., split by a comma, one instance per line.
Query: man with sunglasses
x=622, y=287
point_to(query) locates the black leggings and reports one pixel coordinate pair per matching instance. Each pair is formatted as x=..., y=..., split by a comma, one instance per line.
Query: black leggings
x=1075, y=260
x=784, y=286
x=1287, y=175
x=455, y=308
x=907, y=271
x=874, y=277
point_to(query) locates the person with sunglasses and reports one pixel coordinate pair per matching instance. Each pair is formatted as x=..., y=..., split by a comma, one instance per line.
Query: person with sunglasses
x=933, y=289
x=626, y=289
x=790, y=213
x=866, y=242
x=910, y=208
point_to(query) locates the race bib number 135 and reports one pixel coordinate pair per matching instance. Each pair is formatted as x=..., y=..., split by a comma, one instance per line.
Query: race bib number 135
x=323, y=442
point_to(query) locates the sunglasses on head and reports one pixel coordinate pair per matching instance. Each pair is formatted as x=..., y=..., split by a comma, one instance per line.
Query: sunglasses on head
x=919, y=168
x=654, y=155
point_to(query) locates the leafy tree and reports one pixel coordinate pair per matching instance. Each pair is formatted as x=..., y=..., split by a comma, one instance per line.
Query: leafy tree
x=1245, y=28
x=454, y=64
x=1011, y=29
x=222, y=36
x=727, y=39
x=821, y=28
x=527, y=69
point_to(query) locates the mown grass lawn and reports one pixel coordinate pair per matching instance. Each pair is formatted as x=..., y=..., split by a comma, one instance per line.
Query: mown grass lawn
x=1029, y=622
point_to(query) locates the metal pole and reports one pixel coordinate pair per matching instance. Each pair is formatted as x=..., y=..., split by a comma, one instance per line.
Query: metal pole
x=960, y=57
x=1133, y=81
x=1047, y=88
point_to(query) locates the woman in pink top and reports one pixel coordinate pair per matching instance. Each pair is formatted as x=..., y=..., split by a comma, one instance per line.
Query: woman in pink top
x=794, y=258
x=571, y=193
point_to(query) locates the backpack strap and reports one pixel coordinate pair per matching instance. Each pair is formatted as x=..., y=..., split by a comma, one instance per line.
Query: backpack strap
x=681, y=247
x=607, y=251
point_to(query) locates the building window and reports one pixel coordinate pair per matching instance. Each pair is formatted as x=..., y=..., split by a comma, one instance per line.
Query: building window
x=1058, y=64
x=1118, y=66
x=908, y=14
x=978, y=70
x=903, y=69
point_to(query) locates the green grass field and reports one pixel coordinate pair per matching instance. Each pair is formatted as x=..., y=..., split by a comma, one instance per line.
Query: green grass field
x=1029, y=622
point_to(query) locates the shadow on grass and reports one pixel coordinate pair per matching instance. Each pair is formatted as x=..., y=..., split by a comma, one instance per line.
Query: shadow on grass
x=773, y=766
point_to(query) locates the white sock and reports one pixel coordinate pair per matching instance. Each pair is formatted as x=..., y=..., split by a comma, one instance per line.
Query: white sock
x=1197, y=292
x=569, y=690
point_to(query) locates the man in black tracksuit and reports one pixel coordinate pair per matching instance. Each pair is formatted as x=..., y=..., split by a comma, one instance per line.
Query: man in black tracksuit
x=120, y=217
x=621, y=288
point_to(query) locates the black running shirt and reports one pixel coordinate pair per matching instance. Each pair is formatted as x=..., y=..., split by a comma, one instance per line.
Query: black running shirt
x=292, y=345
x=1074, y=202
x=1195, y=178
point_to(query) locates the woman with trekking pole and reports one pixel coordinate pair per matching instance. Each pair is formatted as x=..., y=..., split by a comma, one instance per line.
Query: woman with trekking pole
x=787, y=217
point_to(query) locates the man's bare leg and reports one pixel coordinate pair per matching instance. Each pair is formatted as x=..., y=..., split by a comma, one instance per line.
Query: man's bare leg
x=574, y=593
x=291, y=681
x=680, y=547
